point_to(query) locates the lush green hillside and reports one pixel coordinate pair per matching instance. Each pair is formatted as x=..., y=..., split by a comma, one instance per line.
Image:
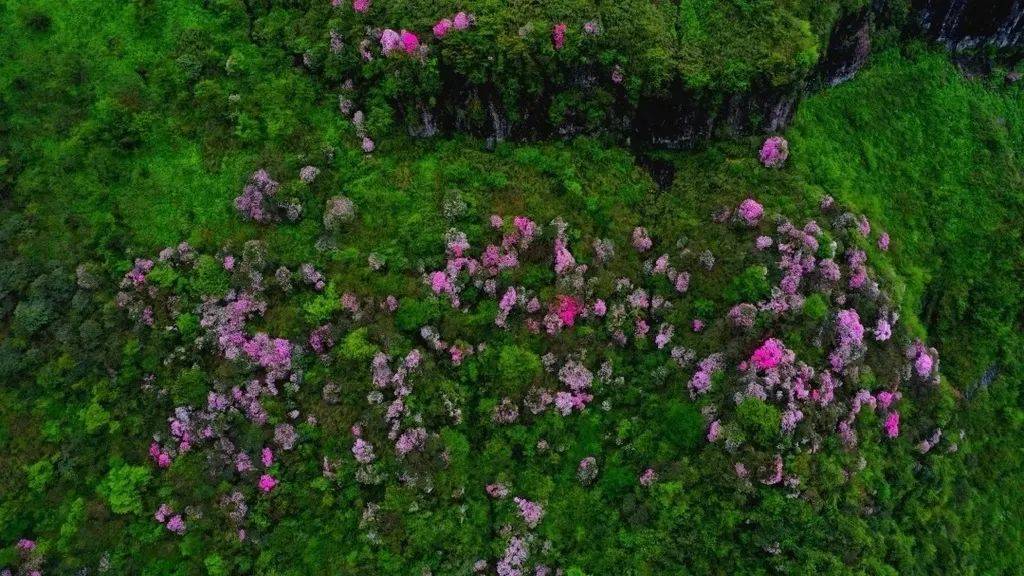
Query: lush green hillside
x=358, y=369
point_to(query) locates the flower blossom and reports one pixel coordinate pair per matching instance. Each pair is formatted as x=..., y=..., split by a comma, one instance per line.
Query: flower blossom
x=776, y=475
x=531, y=512
x=26, y=545
x=176, y=524
x=892, y=424
x=363, y=451
x=714, y=431
x=774, y=152
x=618, y=75
x=769, y=355
x=308, y=174
x=462, y=20
x=390, y=41
x=410, y=42
x=267, y=483
x=750, y=212
x=558, y=35
x=568, y=308
x=641, y=240
x=442, y=27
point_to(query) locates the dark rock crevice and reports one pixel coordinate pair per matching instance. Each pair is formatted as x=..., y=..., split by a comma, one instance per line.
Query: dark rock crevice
x=972, y=24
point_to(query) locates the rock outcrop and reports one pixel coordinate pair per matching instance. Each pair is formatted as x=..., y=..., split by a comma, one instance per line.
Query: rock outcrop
x=684, y=118
x=970, y=24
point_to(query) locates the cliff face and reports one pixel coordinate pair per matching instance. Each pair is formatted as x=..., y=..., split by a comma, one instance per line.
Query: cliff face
x=686, y=118
x=683, y=119
x=969, y=24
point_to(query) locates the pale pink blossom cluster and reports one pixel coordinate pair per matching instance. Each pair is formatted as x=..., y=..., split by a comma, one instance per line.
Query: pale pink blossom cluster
x=511, y=563
x=308, y=174
x=923, y=359
x=363, y=451
x=496, y=490
x=251, y=203
x=173, y=522
x=392, y=42
x=531, y=512
x=578, y=379
x=714, y=431
x=641, y=239
x=587, y=470
x=700, y=382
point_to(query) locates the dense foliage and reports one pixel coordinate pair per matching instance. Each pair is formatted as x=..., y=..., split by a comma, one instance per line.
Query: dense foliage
x=245, y=331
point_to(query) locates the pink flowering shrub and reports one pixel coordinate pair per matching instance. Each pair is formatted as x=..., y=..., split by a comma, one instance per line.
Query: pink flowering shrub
x=531, y=512
x=459, y=21
x=587, y=470
x=267, y=483
x=892, y=424
x=768, y=355
x=176, y=524
x=883, y=242
x=750, y=212
x=308, y=174
x=252, y=202
x=26, y=545
x=410, y=42
x=774, y=152
x=390, y=41
x=363, y=451
x=558, y=35
x=568, y=308
x=442, y=27
x=641, y=240
x=618, y=74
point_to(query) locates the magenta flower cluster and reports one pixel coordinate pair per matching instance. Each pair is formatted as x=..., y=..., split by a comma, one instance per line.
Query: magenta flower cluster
x=774, y=152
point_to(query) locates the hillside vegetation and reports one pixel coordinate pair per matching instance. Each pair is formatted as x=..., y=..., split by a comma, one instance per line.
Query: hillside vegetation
x=236, y=338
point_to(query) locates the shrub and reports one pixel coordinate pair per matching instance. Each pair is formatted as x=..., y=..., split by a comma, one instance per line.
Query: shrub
x=414, y=313
x=121, y=488
x=209, y=277
x=815, y=307
x=750, y=286
x=760, y=420
x=682, y=424
x=517, y=367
